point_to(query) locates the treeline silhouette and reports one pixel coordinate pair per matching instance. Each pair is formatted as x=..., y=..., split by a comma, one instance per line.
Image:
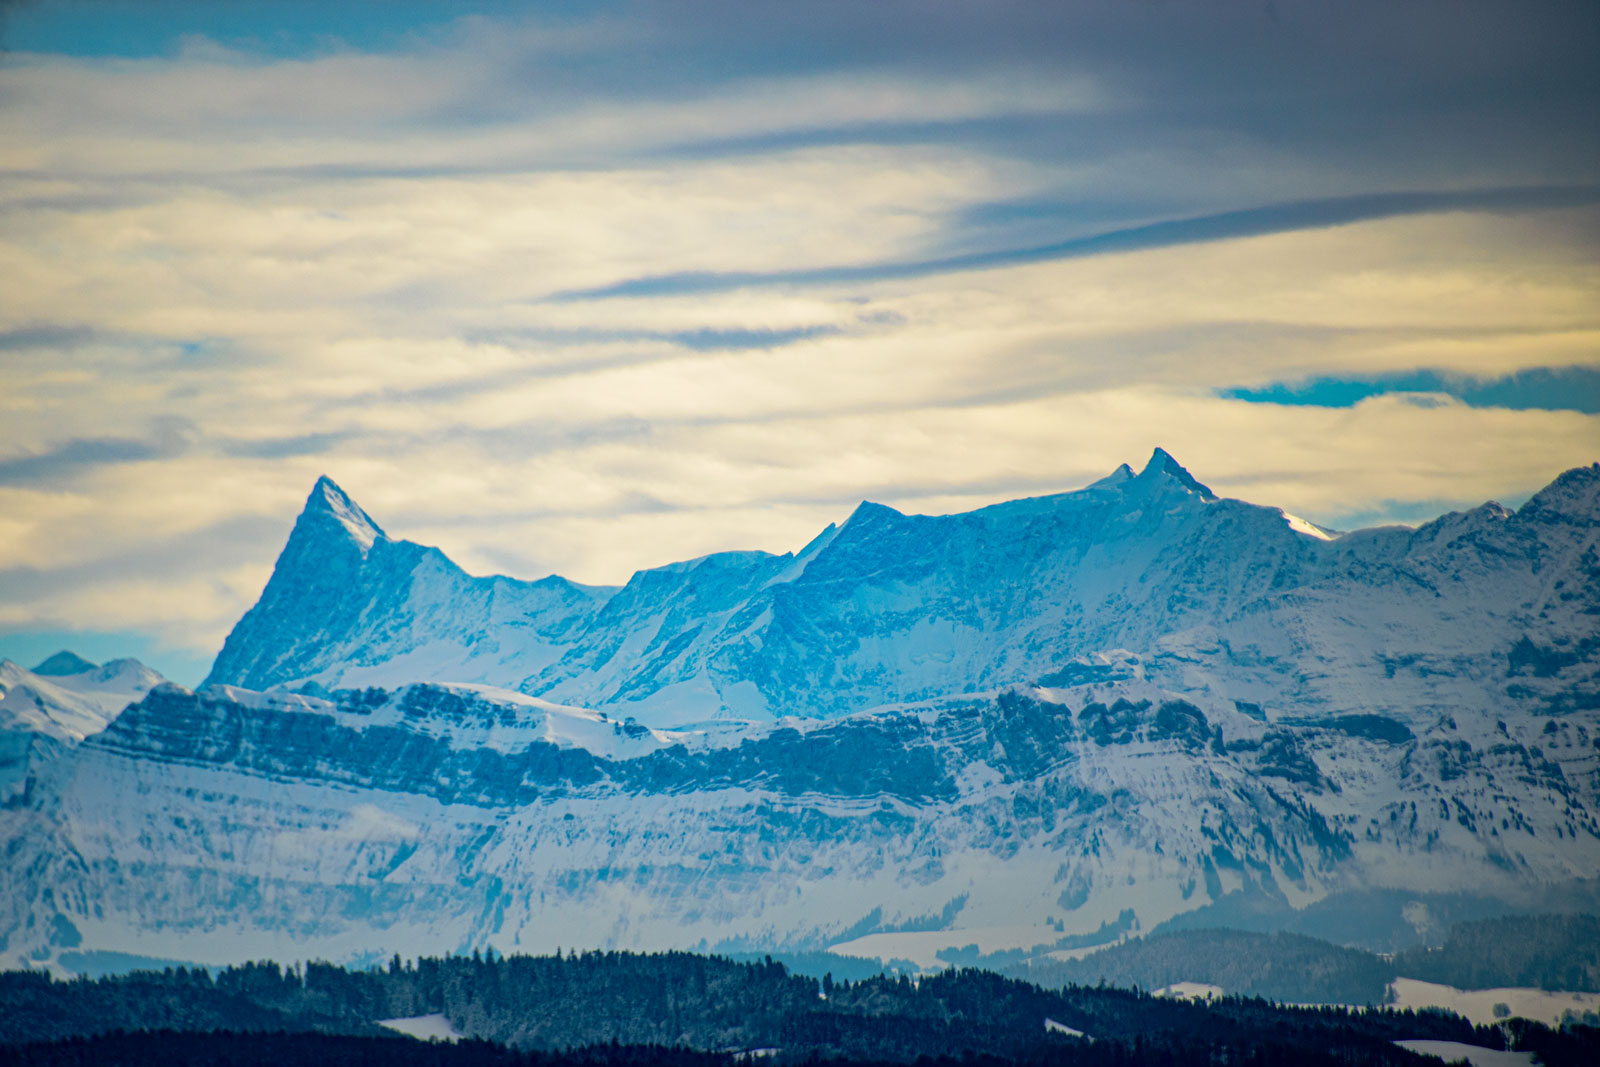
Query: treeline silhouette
x=656, y=1006
x=180, y=1049
x=164, y=1048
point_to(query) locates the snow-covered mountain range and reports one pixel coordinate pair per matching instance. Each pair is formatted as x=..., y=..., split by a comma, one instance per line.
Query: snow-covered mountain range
x=1031, y=726
x=1214, y=596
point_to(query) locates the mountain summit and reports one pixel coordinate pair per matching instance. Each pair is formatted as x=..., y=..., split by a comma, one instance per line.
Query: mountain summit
x=1203, y=593
x=64, y=663
x=1048, y=721
x=1163, y=465
x=345, y=598
x=330, y=504
x=321, y=580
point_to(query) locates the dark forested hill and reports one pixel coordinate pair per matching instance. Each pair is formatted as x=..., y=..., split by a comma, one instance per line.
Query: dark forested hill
x=1545, y=951
x=1284, y=967
x=1552, y=952
x=682, y=1001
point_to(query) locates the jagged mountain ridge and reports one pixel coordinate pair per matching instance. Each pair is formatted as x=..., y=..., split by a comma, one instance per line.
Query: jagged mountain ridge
x=1485, y=608
x=345, y=596
x=1218, y=705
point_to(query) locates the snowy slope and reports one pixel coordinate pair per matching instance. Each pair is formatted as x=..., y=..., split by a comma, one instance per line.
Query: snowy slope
x=231, y=824
x=349, y=606
x=1053, y=718
x=1487, y=608
x=59, y=703
x=70, y=706
x=1479, y=1005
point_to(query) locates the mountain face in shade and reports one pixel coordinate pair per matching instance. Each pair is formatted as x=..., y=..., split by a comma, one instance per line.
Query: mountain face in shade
x=64, y=663
x=1238, y=601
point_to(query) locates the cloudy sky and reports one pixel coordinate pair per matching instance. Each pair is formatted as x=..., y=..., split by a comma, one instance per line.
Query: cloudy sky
x=589, y=287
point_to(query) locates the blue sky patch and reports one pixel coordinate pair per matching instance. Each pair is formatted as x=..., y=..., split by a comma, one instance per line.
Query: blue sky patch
x=287, y=28
x=1540, y=389
x=99, y=646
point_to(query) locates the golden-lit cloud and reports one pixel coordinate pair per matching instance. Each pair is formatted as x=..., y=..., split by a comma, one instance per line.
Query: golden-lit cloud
x=229, y=272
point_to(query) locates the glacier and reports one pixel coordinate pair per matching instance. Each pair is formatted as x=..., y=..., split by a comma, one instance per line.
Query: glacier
x=1019, y=729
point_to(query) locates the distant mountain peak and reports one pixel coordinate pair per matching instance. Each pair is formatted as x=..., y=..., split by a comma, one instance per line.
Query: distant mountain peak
x=1161, y=463
x=1575, y=494
x=867, y=512
x=66, y=698
x=890, y=608
x=320, y=576
x=1122, y=474
x=329, y=502
x=64, y=663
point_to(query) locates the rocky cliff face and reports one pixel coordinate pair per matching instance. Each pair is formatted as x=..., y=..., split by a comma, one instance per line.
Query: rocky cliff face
x=231, y=824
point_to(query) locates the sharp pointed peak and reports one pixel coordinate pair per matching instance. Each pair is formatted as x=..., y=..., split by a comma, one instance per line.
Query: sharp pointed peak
x=867, y=510
x=1122, y=474
x=1162, y=464
x=328, y=492
x=1161, y=459
x=330, y=501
